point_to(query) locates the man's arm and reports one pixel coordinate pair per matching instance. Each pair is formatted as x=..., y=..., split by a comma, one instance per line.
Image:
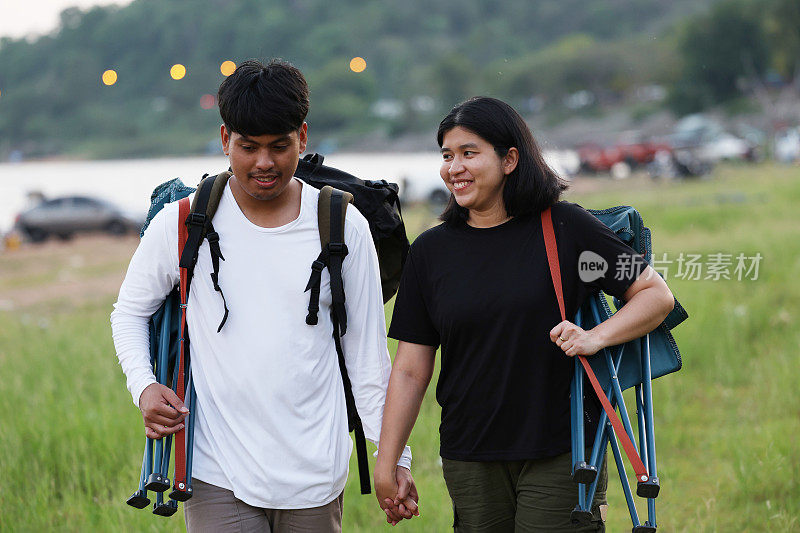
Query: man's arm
x=152, y=273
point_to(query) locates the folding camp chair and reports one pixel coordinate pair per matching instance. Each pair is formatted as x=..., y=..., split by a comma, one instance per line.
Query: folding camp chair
x=614, y=369
x=167, y=347
x=155, y=464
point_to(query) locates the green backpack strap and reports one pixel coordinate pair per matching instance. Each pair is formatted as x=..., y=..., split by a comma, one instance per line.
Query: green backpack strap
x=217, y=184
x=325, y=210
x=331, y=213
x=332, y=210
x=204, y=206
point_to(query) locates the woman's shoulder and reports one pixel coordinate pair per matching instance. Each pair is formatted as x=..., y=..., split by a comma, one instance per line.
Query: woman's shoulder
x=432, y=237
x=566, y=209
x=570, y=214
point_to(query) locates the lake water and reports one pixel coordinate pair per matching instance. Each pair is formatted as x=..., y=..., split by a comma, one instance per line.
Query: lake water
x=128, y=183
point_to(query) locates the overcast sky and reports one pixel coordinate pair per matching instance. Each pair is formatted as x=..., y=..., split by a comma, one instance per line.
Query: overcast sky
x=19, y=17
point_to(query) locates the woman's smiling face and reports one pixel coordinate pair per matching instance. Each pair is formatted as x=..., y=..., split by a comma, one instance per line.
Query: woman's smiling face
x=472, y=170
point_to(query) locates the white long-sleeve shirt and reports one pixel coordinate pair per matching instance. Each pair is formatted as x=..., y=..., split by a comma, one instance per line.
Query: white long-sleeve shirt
x=271, y=421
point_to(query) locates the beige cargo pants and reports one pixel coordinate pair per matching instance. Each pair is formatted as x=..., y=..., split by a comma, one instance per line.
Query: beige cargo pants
x=212, y=509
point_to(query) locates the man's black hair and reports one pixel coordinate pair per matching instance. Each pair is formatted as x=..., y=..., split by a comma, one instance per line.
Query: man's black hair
x=532, y=186
x=260, y=99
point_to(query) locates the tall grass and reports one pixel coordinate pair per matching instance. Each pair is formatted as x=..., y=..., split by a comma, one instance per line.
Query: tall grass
x=727, y=425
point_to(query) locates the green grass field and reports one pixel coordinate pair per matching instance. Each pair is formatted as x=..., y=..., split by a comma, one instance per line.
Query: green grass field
x=727, y=425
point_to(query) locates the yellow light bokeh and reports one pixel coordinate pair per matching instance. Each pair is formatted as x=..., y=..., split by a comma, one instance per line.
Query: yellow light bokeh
x=358, y=64
x=177, y=71
x=109, y=77
x=227, y=68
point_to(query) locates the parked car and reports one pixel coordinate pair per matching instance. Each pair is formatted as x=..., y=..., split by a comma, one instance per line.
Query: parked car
x=595, y=158
x=709, y=141
x=64, y=217
x=787, y=145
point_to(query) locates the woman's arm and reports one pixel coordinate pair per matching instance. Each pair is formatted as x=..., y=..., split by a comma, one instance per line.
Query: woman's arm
x=649, y=301
x=411, y=373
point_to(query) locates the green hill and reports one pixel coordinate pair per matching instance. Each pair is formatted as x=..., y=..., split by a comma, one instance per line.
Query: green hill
x=422, y=57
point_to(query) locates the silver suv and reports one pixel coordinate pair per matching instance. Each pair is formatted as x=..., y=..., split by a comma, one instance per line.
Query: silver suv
x=66, y=216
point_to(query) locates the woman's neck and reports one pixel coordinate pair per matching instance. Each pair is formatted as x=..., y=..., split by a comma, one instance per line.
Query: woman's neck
x=488, y=218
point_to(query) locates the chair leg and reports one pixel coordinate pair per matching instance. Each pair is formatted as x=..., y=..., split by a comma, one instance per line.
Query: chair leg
x=650, y=488
x=626, y=488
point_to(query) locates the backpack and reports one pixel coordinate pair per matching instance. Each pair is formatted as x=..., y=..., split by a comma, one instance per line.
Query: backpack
x=379, y=203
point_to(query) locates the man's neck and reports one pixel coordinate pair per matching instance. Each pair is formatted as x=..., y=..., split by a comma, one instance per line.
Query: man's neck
x=271, y=213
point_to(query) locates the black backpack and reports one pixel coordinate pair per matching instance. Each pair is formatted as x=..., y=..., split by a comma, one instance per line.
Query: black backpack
x=379, y=203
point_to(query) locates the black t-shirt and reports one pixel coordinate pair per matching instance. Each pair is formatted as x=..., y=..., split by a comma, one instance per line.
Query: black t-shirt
x=486, y=296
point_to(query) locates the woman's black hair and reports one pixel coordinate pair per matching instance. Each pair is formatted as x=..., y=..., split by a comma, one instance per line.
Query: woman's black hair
x=532, y=186
x=258, y=99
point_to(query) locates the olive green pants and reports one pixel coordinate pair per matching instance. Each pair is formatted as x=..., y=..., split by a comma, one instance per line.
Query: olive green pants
x=519, y=496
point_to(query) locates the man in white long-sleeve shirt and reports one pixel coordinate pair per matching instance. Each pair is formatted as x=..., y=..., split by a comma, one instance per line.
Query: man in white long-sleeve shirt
x=271, y=448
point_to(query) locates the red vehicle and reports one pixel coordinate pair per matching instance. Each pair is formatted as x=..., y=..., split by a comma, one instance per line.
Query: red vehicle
x=595, y=158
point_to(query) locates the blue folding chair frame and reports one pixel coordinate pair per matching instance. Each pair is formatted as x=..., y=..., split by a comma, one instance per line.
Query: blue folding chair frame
x=606, y=435
x=156, y=458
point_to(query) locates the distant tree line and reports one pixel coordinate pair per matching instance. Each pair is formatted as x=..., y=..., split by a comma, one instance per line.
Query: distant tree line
x=422, y=58
x=736, y=44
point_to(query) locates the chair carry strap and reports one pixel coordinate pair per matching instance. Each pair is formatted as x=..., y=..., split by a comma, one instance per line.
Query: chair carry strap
x=180, y=436
x=555, y=273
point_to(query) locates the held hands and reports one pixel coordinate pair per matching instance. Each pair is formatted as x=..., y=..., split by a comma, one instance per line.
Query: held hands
x=574, y=340
x=396, y=494
x=162, y=410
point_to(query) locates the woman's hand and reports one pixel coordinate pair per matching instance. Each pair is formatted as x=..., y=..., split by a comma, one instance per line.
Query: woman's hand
x=574, y=340
x=397, y=494
x=411, y=373
x=649, y=301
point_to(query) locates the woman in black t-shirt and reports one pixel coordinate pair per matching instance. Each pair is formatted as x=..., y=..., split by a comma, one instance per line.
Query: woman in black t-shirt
x=479, y=286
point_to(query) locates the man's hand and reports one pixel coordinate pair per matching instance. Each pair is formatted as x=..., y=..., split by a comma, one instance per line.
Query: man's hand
x=397, y=494
x=574, y=340
x=162, y=410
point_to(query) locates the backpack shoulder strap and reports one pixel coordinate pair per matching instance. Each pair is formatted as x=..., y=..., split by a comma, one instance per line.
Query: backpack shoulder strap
x=217, y=184
x=196, y=222
x=326, y=210
x=204, y=206
x=331, y=213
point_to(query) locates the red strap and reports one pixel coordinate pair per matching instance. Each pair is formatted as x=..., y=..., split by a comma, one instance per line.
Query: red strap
x=555, y=272
x=180, y=436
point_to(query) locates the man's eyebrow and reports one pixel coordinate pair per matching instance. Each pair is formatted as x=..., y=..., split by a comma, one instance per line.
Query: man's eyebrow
x=281, y=139
x=250, y=140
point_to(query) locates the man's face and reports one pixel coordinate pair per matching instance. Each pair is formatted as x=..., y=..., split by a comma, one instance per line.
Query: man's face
x=264, y=165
